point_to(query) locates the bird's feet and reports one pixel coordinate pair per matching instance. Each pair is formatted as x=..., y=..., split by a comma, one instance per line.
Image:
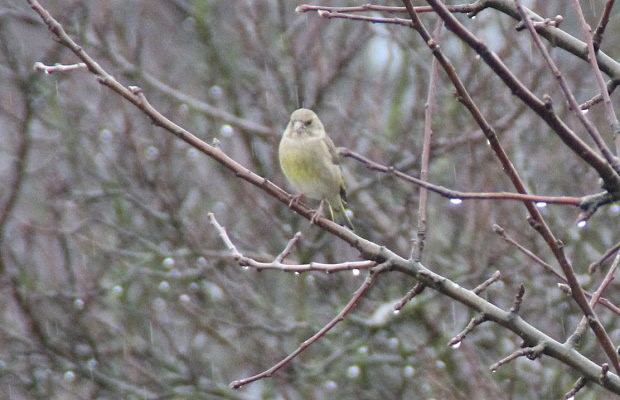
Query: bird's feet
x=296, y=199
x=317, y=213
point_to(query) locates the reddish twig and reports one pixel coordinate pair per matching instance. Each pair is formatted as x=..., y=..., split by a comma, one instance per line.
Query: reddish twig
x=462, y=8
x=415, y=290
x=597, y=38
x=367, y=284
x=609, y=253
x=458, y=195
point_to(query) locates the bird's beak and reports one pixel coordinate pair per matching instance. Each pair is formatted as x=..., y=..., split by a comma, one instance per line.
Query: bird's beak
x=298, y=126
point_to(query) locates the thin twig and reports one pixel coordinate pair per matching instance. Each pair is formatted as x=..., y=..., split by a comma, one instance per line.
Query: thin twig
x=459, y=8
x=597, y=38
x=612, y=120
x=516, y=305
x=484, y=285
x=568, y=95
x=549, y=268
x=609, y=278
x=366, y=18
x=609, y=253
x=277, y=263
x=502, y=232
x=415, y=290
x=530, y=352
x=574, y=339
x=475, y=321
x=224, y=236
x=429, y=107
x=50, y=69
x=367, y=284
x=458, y=195
x=579, y=384
x=289, y=246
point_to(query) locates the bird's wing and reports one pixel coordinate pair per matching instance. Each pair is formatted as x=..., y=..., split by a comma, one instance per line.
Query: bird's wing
x=332, y=150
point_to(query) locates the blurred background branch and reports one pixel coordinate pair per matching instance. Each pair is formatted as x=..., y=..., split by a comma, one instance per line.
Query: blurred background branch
x=115, y=284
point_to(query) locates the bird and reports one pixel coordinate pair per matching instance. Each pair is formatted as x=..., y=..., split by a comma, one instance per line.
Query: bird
x=309, y=160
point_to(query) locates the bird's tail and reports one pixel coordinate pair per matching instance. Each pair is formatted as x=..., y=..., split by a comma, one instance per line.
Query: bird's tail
x=339, y=213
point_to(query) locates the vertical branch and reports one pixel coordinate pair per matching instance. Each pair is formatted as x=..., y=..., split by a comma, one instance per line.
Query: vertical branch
x=426, y=152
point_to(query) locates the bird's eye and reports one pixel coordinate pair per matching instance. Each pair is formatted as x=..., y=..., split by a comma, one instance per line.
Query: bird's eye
x=307, y=123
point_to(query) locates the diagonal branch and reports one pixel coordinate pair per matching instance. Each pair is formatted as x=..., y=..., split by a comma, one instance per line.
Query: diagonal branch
x=574, y=106
x=592, y=49
x=366, y=285
x=602, y=24
x=612, y=180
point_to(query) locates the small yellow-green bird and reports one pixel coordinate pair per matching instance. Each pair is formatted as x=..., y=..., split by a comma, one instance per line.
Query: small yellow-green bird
x=309, y=161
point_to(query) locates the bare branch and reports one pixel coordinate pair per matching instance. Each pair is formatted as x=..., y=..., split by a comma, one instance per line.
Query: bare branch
x=547, y=267
x=458, y=195
x=382, y=258
x=597, y=327
x=224, y=235
x=368, y=282
x=475, y=321
x=277, y=263
x=463, y=8
x=609, y=253
x=289, y=246
x=530, y=352
x=602, y=24
x=415, y=290
x=579, y=384
x=570, y=138
x=593, y=44
x=39, y=66
x=484, y=285
x=574, y=106
x=607, y=173
x=574, y=339
x=516, y=305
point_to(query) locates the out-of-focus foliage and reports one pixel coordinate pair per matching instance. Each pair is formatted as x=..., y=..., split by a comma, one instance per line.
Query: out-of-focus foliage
x=115, y=285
